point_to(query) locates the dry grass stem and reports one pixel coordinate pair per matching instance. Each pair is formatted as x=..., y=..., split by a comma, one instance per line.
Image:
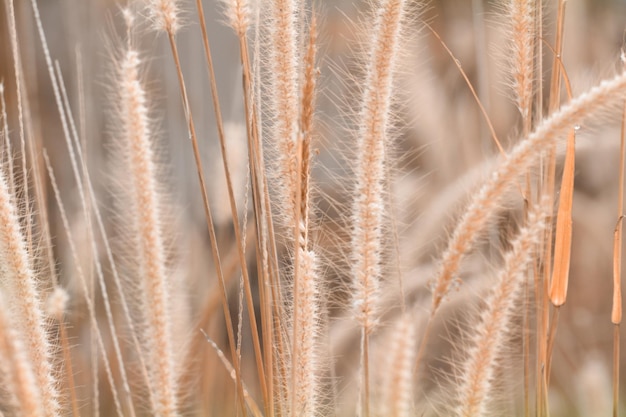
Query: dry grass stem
x=6, y=142
x=239, y=10
x=616, y=312
x=211, y=227
x=563, y=237
x=85, y=289
x=479, y=103
x=254, y=408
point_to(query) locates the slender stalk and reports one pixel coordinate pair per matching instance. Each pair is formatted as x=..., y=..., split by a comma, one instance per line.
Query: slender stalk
x=7, y=141
x=20, y=377
x=209, y=219
x=269, y=291
x=483, y=110
x=616, y=346
x=85, y=186
x=231, y=195
x=254, y=408
x=79, y=182
x=616, y=314
x=548, y=188
x=84, y=287
x=554, y=321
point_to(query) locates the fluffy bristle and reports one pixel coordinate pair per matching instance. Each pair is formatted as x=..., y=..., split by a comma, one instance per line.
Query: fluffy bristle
x=143, y=213
x=23, y=290
x=478, y=372
x=165, y=15
x=238, y=14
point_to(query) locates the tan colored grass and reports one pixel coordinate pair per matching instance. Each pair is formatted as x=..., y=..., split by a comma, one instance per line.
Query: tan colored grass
x=145, y=217
x=19, y=376
x=238, y=14
x=488, y=200
x=56, y=307
x=616, y=314
x=373, y=141
x=25, y=303
x=397, y=381
x=616, y=310
x=165, y=15
x=477, y=380
x=85, y=289
x=563, y=233
x=305, y=367
x=6, y=140
x=520, y=15
x=284, y=68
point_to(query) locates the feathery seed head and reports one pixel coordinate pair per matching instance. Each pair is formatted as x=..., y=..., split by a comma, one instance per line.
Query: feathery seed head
x=143, y=215
x=238, y=14
x=478, y=373
x=307, y=363
x=372, y=142
x=484, y=204
x=397, y=376
x=22, y=287
x=522, y=27
x=164, y=14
